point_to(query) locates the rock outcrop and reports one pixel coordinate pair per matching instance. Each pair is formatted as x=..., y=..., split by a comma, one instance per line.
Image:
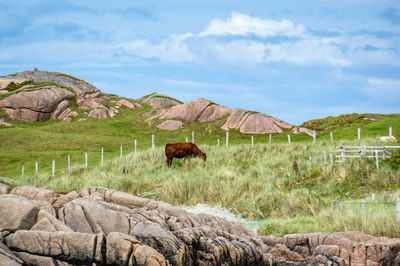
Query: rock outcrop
x=170, y=125
x=214, y=112
x=254, y=123
x=98, y=226
x=37, y=105
x=159, y=101
x=42, y=95
x=189, y=111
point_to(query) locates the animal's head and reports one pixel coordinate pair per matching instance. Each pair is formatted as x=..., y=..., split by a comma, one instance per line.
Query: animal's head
x=204, y=156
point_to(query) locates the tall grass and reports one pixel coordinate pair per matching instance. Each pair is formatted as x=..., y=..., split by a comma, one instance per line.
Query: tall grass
x=245, y=179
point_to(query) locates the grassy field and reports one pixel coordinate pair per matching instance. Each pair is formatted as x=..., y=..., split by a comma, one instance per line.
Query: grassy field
x=241, y=178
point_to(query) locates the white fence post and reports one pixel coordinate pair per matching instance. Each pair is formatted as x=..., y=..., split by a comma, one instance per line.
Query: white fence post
x=288, y=137
x=22, y=171
x=270, y=138
x=152, y=142
x=53, y=168
x=314, y=136
x=135, y=145
x=218, y=142
x=102, y=156
x=390, y=133
x=187, y=139
x=252, y=141
x=69, y=164
x=192, y=136
x=343, y=156
x=309, y=161
x=331, y=136
x=362, y=205
x=398, y=210
x=36, y=168
x=325, y=159
x=331, y=156
x=373, y=196
x=377, y=159
x=120, y=151
x=358, y=133
x=227, y=139
x=86, y=161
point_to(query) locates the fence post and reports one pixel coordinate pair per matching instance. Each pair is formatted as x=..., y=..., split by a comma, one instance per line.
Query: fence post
x=69, y=164
x=53, y=168
x=288, y=137
x=314, y=136
x=192, y=136
x=227, y=139
x=325, y=159
x=152, y=142
x=335, y=205
x=331, y=136
x=120, y=153
x=270, y=138
x=362, y=205
x=331, y=156
x=373, y=196
x=343, y=156
x=358, y=133
x=377, y=159
x=187, y=139
x=398, y=210
x=135, y=145
x=218, y=142
x=36, y=168
x=86, y=162
x=252, y=141
x=309, y=161
x=390, y=133
x=22, y=171
x=102, y=156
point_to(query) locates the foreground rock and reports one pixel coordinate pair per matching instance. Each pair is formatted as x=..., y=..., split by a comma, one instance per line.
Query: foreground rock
x=98, y=226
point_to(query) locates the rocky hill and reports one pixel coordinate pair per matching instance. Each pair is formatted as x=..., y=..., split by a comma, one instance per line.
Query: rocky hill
x=99, y=226
x=43, y=95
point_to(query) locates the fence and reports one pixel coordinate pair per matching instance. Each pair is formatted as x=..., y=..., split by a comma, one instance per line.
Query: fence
x=363, y=203
x=375, y=152
x=344, y=151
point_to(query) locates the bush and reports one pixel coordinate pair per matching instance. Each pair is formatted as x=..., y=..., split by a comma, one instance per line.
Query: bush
x=394, y=161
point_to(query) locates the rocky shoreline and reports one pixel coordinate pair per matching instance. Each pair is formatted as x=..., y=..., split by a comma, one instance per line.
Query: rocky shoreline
x=98, y=226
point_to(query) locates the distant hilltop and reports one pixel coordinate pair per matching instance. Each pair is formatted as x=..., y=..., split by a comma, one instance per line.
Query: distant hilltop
x=42, y=95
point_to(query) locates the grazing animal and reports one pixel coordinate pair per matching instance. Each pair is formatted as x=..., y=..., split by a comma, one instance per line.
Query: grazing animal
x=182, y=150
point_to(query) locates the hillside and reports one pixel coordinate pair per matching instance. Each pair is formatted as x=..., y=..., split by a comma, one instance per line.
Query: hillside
x=97, y=120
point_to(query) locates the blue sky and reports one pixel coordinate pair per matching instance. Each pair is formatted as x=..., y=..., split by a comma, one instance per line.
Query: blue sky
x=295, y=60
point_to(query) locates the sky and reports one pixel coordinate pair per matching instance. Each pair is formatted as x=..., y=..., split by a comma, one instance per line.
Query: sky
x=295, y=60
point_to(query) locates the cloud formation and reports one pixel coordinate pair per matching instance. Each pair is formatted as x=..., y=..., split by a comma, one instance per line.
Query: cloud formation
x=241, y=24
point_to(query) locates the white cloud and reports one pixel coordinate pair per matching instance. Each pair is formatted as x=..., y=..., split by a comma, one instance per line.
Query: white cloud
x=388, y=89
x=304, y=52
x=241, y=24
x=308, y=51
x=240, y=52
x=171, y=50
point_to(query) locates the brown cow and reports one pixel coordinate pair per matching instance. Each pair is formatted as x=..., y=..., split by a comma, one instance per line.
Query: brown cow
x=182, y=150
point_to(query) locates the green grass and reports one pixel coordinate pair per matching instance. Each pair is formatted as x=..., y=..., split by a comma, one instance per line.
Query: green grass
x=240, y=178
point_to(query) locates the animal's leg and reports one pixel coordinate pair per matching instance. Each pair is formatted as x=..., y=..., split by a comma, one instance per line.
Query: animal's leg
x=169, y=162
